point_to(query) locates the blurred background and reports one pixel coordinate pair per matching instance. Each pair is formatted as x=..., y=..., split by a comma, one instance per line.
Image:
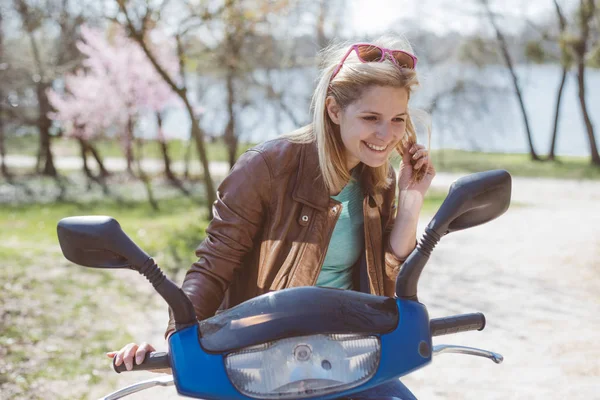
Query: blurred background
x=138, y=108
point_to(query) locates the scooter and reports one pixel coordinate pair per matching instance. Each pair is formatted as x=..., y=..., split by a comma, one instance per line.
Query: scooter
x=298, y=343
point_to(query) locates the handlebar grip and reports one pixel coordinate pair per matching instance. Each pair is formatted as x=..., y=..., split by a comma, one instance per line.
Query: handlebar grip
x=457, y=323
x=155, y=360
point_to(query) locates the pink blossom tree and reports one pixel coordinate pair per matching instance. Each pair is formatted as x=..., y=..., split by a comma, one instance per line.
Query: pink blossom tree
x=116, y=87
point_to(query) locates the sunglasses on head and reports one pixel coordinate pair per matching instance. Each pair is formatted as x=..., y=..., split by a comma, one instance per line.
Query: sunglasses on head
x=370, y=53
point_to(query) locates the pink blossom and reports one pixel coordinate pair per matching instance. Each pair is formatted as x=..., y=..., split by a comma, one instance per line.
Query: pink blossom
x=117, y=82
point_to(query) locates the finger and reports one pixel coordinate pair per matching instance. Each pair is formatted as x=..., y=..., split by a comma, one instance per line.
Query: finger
x=118, y=359
x=140, y=354
x=406, y=152
x=111, y=354
x=419, y=153
x=421, y=162
x=431, y=169
x=121, y=353
x=128, y=356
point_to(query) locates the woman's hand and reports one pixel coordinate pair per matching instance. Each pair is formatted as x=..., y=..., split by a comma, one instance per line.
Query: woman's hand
x=415, y=164
x=131, y=353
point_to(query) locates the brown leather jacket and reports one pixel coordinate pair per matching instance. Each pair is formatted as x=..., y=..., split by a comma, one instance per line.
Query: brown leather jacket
x=273, y=220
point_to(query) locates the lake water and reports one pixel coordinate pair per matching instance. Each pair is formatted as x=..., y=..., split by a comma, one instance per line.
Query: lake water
x=478, y=119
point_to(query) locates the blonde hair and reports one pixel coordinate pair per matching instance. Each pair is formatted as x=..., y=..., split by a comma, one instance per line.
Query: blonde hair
x=351, y=81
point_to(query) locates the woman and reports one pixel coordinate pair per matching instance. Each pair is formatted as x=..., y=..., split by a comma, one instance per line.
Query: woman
x=317, y=206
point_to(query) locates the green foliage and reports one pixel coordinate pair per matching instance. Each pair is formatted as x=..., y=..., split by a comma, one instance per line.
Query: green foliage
x=566, y=44
x=535, y=52
x=593, y=60
x=478, y=51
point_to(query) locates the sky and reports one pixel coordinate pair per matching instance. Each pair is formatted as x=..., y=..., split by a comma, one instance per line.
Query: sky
x=442, y=15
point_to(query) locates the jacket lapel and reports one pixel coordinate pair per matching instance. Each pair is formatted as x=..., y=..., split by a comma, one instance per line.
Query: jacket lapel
x=310, y=187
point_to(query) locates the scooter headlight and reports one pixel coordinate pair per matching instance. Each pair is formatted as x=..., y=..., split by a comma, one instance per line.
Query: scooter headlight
x=304, y=366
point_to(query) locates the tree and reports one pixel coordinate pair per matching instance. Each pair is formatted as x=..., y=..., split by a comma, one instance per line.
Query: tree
x=32, y=20
x=581, y=46
x=3, y=167
x=565, y=62
x=515, y=80
x=139, y=32
x=42, y=51
x=536, y=52
x=117, y=86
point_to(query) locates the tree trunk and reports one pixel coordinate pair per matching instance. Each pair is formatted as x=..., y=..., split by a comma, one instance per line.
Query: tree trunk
x=187, y=158
x=198, y=135
x=551, y=153
x=515, y=79
x=83, y=151
x=3, y=167
x=129, y=139
x=562, y=24
x=144, y=178
x=586, y=13
x=588, y=123
x=44, y=124
x=92, y=149
x=230, y=137
x=164, y=149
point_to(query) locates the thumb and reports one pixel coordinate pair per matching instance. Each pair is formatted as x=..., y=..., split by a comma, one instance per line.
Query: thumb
x=111, y=354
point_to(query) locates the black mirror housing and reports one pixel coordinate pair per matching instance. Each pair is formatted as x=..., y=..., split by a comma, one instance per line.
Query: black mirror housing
x=473, y=200
x=98, y=242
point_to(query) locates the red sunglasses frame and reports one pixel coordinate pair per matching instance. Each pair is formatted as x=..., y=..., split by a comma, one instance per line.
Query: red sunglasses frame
x=384, y=52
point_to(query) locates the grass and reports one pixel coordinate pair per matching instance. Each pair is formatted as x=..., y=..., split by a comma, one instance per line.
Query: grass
x=517, y=164
x=63, y=146
x=58, y=319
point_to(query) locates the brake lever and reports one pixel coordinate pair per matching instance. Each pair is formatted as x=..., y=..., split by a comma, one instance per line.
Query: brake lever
x=447, y=348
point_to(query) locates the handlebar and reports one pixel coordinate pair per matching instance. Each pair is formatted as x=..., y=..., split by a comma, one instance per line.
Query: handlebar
x=457, y=323
x=154, y=360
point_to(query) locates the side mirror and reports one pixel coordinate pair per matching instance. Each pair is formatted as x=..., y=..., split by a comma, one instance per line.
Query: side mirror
x=472, y=200
x=98, y=242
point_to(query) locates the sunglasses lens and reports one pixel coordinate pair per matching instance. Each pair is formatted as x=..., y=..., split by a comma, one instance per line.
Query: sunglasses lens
x=404, y=60
x=369, y=53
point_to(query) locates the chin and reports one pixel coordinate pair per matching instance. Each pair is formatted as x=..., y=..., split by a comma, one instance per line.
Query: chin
x=374, y=163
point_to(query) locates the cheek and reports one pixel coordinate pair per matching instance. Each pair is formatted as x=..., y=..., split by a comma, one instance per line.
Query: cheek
x=353, y=133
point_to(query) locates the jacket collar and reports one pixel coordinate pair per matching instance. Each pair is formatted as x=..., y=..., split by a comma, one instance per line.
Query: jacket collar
x=310, y=187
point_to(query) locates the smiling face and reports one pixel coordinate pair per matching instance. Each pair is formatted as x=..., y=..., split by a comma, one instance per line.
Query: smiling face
x=372, y=126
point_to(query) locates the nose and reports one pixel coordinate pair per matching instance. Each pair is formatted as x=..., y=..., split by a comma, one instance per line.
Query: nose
x=385, y=132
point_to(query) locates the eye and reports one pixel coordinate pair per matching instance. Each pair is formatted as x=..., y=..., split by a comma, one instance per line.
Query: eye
x=370, y=118
x=399, y=119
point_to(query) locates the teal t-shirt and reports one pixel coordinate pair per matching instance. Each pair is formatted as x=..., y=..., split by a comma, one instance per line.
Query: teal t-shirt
x=346, y=241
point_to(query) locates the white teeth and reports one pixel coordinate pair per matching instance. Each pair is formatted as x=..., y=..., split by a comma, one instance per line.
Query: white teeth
x=376, y=148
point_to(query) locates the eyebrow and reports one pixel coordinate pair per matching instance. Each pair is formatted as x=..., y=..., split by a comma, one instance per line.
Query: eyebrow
x=376, y=113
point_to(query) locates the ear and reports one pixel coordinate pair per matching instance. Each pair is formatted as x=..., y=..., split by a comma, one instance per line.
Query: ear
x=333, y=110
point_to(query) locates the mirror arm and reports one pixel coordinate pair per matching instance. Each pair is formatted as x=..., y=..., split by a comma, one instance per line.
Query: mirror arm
x=408, y=278
x=181, y=306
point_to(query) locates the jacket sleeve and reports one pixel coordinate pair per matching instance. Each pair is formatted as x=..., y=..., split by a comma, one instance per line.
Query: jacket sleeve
x=238, y=213
x=391, y=262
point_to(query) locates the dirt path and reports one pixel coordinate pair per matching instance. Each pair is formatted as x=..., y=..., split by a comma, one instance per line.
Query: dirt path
x=534, y=272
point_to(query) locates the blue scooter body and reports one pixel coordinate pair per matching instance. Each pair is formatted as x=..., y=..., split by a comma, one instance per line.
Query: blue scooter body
x=200, y=374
